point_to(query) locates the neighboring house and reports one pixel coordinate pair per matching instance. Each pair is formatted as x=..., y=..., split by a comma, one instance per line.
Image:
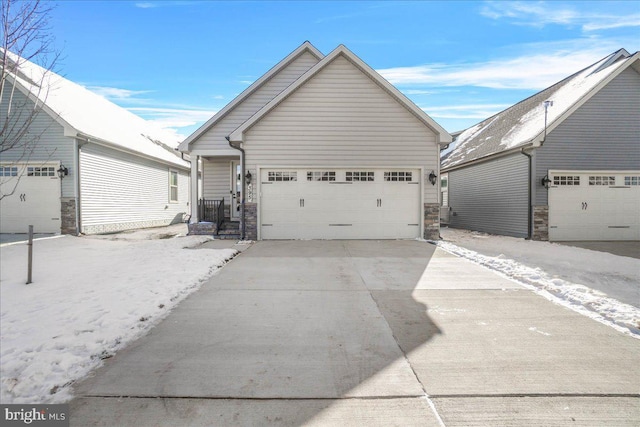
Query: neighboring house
x=95, y=167
x=578, y=178
x=327, y=148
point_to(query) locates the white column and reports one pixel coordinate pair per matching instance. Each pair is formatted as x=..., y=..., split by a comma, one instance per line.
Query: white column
x=195, y=167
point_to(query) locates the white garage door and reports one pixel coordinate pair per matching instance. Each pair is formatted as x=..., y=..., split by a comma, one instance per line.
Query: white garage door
x=594, y=205
x=353, y=203
x=36, y=200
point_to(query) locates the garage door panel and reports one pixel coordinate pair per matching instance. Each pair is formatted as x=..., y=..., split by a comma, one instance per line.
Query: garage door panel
x=592, y=209
x=342, y=206
x=36, y=201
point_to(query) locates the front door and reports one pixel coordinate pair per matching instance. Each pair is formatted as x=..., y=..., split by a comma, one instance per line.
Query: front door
x=236, y=189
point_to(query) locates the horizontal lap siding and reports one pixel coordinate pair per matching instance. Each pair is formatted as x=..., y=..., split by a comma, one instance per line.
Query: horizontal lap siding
x=491, y=197
x=51, y=146
x=215, y=137
x=604, y=134
x=340, y=118
x=120, y=191
x=217, y=175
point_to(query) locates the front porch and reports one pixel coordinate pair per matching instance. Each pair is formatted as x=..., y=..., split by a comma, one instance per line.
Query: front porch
x=216, y=198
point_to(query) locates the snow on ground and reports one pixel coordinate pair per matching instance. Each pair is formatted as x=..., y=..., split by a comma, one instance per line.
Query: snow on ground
x=577, y=278
x=90, y=296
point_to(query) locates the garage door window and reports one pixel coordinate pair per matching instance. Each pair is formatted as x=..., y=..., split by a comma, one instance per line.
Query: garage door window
x=282, y=176
x=602, y=180
x=566, y=180
x=359, y=176
x=41, y=171
x=321, y=176
x=632, y=180
x=398, y=176
x=8, y=171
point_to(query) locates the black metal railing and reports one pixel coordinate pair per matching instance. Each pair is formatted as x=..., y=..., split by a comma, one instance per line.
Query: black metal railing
x=211, y=211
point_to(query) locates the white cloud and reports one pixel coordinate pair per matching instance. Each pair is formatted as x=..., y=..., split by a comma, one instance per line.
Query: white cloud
x=116, y=94
x=529, y=70
x=468, y=111
x=172, y=119
x=539, y=14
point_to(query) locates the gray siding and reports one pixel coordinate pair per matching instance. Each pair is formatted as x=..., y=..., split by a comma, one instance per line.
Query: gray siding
x=51, y=145
x=217, y=178
x=604, y=134
x=342, y=118
x=120, y=191
x=491, y=197
x=215, y=137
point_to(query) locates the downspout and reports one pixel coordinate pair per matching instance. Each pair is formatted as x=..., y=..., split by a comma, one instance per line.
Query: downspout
x=242, y=154
x=76, y=184
x=529, y=205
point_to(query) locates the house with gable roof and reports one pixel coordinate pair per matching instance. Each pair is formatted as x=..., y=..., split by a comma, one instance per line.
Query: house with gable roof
x=320, y=147
x=90, y=166
x=561, y=165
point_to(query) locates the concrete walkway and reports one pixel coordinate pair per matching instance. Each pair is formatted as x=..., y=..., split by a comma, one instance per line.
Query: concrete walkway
x=354, y=333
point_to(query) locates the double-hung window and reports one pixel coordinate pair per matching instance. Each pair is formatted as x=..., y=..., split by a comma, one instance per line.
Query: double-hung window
x=173, y=186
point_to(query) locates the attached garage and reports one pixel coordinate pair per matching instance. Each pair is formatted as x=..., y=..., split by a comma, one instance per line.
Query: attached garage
x=594, y=205
x=35, y=201
x=331, y=203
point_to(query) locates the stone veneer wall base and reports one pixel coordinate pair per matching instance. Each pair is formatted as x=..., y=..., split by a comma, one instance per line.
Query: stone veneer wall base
x=431, y=221
x=541, y=223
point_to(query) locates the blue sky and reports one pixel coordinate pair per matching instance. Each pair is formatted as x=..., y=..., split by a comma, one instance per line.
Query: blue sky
x=178, y=62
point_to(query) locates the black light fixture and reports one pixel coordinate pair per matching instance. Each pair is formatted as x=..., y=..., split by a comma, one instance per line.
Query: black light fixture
x=433, y=178
x=248, y=177
x=62, y=171
x=545, y=181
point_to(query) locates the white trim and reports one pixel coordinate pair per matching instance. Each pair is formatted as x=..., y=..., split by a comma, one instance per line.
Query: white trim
x=230, y=152
x=177, y=186
x=305, y=47
x=442, y=135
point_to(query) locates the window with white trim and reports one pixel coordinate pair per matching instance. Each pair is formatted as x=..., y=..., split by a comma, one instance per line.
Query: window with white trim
x=173, y=186
x=8, y=171
x=602, y=180
x=41, y=171
x=360, y=176
x=398, y=176
x=282, y=176
x=566, y=180
x=632, y=180
x=321, y=176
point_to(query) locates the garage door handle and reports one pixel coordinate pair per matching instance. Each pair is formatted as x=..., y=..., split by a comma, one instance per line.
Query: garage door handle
x=302, y=203
x=379, y=203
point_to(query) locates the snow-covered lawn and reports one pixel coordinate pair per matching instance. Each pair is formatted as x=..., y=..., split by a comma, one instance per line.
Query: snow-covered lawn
x=578, y=278
x=90, y=296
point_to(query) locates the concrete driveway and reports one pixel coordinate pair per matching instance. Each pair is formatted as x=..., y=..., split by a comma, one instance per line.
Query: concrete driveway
x=365, y=333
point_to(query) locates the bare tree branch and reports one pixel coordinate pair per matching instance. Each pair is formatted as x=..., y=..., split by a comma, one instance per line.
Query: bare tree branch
x=25, y=37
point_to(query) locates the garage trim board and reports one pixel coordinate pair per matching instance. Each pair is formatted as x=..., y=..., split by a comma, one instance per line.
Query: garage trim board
x=594, y=205
x=357, y=202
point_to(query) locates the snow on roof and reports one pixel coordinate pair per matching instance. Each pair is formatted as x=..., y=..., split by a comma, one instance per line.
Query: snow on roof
x=521, y=123
x=91, y=115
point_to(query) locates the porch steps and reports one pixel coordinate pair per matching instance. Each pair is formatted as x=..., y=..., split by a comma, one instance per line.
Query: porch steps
x=230, y=230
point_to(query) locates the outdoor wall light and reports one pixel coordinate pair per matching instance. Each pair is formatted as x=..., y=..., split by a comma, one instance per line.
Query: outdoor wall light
x=545, y=181
x=62, y=171
x=248, y=177
x=432, y=178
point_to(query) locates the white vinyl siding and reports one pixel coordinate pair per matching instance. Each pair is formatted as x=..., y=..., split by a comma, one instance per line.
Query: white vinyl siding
x=603, y=134
x=215, y=137
x=120, y=191
x=342, y=118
